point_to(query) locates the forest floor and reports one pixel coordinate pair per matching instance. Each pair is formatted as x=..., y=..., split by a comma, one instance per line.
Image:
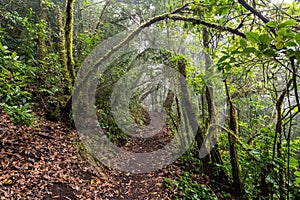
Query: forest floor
x=43, y=162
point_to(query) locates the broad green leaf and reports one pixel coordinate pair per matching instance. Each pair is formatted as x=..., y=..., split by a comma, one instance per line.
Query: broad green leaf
x=297, y=173
x=282, y=32
x=227, y=67
x=222, y=10
x=222, y=59
x=297, y=38
x=252, y=37
x=269, y=52
x=287, y=23
x=272, y=24
x=293, y=162
x=290, y=44
x=297, y=181
x=3, y=48
x=279, y=45
x=243, y=43
x=235, y=52
x=249, y=50
x=265, y=39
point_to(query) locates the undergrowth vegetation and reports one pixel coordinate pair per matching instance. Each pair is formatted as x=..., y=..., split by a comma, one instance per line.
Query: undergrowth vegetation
x=240, y=59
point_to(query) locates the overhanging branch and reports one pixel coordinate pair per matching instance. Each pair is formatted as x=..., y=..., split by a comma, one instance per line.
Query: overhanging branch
x=192, y=20
x=253, y=10
x=175, y=17
x=209, y=25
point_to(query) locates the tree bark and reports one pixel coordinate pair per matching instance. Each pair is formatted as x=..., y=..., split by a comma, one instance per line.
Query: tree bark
x=67, y=56
x=235, y=168
x=42, y=47
x=62, y=49
x=69, y=38
x=233, y=126
x=278, y=137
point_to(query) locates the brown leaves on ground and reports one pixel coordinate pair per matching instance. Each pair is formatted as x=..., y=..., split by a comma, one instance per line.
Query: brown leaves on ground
x=43, y=163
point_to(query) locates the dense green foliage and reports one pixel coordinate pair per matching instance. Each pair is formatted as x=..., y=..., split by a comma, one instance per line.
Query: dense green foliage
x=14, y=80
x=249, y=75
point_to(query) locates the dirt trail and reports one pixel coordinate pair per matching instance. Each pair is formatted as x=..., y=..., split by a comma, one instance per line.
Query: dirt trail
x=156, y=134
x=43, y=163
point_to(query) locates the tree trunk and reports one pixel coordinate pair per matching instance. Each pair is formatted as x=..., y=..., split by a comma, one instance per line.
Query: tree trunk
x=209, y=96
x=234, y=129
x=79, y=28
x=62, y=49
x=67, y=56
x=42, y=47
x=69, y=38
x=233, y=126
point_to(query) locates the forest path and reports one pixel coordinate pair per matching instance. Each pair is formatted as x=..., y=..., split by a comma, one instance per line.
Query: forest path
x=150, y=137
x=43, y=163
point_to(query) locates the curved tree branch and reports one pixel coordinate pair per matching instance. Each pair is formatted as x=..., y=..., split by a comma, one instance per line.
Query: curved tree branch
x=253, y=10
x=196, y=21
x=256, y=13
x=135, y=32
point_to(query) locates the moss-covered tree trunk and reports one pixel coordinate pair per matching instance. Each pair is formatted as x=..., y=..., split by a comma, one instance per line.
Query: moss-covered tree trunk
x=66, y=53
x=69, y=24
x=42, y=47
x=62, y=47
x=234, y=160
x=235, y=168
x=209, y=95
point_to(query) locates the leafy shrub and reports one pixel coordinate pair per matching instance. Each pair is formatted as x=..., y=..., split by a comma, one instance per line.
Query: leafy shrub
x=13, y=95
x=20, y=114
x=189, y=188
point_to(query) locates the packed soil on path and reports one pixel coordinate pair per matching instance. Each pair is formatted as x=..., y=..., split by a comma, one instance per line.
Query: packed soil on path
x=43, y=162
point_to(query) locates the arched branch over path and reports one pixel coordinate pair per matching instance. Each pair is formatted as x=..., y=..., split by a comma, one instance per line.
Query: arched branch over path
x=135, y=32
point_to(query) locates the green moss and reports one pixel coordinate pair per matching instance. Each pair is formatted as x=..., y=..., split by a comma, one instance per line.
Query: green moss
x=69, y=38
x=62, y=48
